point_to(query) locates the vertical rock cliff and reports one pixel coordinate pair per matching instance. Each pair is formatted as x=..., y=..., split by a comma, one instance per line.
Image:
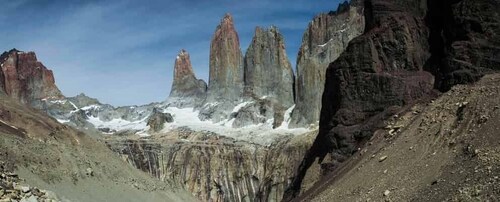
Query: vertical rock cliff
x=268, y=72
x=326, y=37
x=216, y=168
x=409, y=48
x=225, y=83
x=26, y=79
x=226, y=63
x=187, y=91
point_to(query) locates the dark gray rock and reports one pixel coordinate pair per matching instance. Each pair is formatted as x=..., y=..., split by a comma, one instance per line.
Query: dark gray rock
x=259, y=112
x=326, y=37
x=157, y=119
x=268, y=72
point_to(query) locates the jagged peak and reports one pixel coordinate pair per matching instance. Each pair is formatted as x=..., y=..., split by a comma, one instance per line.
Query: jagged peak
x=227, y=18
x=183, y=52
x=226, y=21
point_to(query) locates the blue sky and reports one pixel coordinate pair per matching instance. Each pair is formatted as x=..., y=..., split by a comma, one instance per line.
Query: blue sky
x=122, y=52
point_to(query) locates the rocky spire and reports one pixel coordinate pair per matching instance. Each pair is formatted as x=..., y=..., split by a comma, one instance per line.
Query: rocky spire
x=326, y=37
x=187, y=91
x=226, y=63
x=26, y=79
x=268, y=72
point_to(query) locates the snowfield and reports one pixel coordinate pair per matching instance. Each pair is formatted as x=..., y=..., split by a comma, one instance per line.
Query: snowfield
x=188, y=117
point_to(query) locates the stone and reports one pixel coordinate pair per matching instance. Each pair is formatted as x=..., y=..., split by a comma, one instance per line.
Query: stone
x=226, y=64
x=89, y=172
x=387, y=192
x=26, y=79
x=383, y=158
x=258, y=112
x=29, y=199
x=379, y=71
x=157, y=119
x=24, y=189
x=268, y=72
x=207, y=161
x=326, y=37
x=187, y=90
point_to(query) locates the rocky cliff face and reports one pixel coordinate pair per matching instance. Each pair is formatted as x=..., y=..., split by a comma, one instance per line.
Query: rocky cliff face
x=464, y=40
x=225, y=84
x=187, y=91
x=24, y=78
x=226, y=63
x=268, y=72
x=325, y=39
x=390, y=65
x=216, y=168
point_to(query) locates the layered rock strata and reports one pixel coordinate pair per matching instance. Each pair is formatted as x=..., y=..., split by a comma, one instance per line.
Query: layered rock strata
x=187, y=90
x=216, y=168
x=24, y=78
x=326, y=37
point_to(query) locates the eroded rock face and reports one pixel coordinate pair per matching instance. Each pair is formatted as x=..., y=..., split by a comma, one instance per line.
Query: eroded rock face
x=157, y=119
x=325, y=39
x=268, y=72
x=226, y=63
x=464, y=39
x=26, y=79
x=187, y=90
x=216, y=168
x=390, y=65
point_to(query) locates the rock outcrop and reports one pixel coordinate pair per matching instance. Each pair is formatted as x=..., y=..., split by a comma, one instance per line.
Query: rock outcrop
x=225, y=83
x=464, y=40
x=389, y=67
x=24, y=78
x=157, y=119
x=268, y=72
x=187, y=90
x=326, y=37
x=226, y=63
x=216, y=168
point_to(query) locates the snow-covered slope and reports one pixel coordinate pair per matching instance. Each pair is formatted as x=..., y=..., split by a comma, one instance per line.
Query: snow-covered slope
x=84, y=112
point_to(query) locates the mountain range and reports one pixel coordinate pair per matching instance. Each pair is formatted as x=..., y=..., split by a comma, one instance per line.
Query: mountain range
x=378, y=85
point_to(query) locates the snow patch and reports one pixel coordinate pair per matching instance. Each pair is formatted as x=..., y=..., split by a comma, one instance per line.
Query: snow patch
x=241, y=105
x=62, y=121
x=58, y=101
x=118, y=124
x=323, y=45
x=73, y=104
x=90, y=107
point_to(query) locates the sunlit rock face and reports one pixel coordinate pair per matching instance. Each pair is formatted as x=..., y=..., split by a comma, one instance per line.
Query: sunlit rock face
x=217, y=168
x=268, y=72
x=226, y=63
x=24, y=78
x=187, y=90
x=326, y=37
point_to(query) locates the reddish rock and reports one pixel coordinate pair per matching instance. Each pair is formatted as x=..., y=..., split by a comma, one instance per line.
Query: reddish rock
x=187, y=90
x=26, y=79
x=226, y=63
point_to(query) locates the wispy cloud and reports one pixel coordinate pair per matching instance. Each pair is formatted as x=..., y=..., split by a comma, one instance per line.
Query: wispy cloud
x=122, y=52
